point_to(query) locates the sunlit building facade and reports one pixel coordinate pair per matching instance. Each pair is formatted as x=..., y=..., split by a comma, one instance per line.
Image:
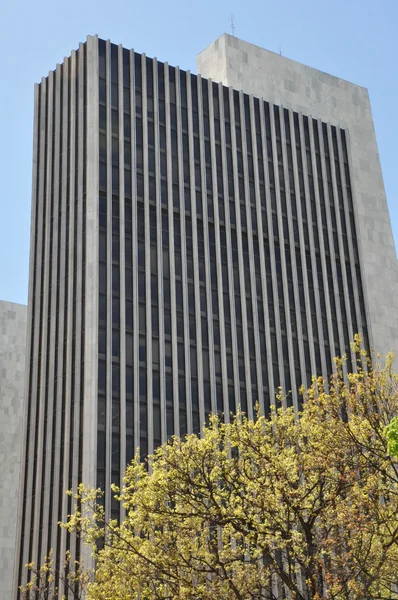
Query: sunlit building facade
x=195, y=245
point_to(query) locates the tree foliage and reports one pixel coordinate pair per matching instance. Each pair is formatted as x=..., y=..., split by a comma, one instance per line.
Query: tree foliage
x=392, y=437
x=279, y=507
x=47, y=582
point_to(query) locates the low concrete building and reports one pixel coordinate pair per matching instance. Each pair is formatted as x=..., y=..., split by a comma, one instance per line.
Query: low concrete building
x=13, y=318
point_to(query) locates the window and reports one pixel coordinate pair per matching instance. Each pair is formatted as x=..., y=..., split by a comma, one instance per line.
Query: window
x=168, y=355
x=115, y=380
x=101, y=449
x=115, y=344
x=101, y=411
x=102, y=376
x=155, y=352
x=102, y=340
x=129, y=382
x=129, y=348
x=102, y=308
x=142, y=349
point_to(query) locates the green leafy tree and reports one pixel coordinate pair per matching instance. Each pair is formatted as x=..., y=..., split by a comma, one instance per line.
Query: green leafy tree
x=392, y=437
x=47, y=582
x=279, y=507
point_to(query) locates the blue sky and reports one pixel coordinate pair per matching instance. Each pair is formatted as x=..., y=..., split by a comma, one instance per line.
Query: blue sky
x=353, y=39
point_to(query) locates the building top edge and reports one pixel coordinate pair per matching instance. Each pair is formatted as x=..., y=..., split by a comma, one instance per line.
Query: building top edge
x=234, y=41
x=9, y=303
x=226, y=39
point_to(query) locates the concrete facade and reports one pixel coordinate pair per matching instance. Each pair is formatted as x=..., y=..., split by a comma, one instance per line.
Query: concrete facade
x=13, y=318
x=55, y=402
x=208, y=253
x=285, y=82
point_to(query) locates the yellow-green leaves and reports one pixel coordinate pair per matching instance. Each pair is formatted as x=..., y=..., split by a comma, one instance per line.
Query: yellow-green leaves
x=299, y=506
x=277, y=501
x=48, y=583
x=391, y=431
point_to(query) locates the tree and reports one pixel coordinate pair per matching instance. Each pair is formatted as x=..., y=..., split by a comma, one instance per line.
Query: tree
x=391, y=431
x=278, y=507
x=46, y=582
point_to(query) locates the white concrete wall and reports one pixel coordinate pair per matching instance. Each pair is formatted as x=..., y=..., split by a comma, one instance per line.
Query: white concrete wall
x=282, y=81
x=13, y=319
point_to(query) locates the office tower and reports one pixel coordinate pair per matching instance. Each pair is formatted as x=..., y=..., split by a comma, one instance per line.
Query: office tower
x=194, y=246
x=340, y=103
x=13, y=319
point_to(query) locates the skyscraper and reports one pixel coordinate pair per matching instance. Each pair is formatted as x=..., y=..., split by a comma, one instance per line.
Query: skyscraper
x=194, y=246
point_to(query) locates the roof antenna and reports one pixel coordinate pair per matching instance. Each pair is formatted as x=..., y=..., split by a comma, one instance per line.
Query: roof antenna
x=280, y=49
x=233, y=25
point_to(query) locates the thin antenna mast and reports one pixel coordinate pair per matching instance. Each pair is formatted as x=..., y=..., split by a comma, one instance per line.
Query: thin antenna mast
x=233, y=25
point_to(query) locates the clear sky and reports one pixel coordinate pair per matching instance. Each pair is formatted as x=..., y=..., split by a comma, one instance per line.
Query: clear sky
x=356, y=40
